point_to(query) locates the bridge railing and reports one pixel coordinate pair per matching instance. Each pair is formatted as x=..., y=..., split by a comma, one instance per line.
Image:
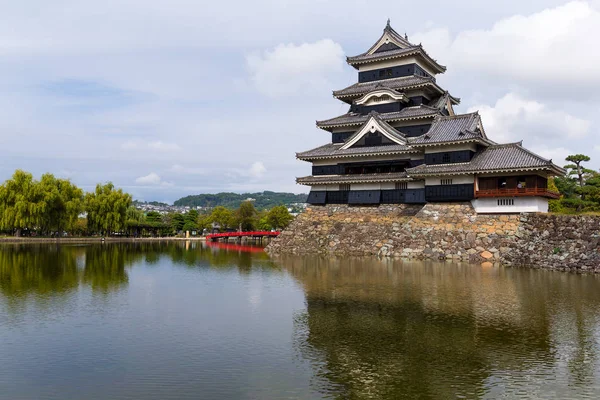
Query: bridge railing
x=242, y=234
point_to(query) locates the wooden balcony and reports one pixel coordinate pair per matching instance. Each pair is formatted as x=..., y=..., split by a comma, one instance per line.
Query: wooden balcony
x=542, y=192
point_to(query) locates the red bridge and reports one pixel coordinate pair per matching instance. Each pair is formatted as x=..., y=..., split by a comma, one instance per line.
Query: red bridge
x=255, y=234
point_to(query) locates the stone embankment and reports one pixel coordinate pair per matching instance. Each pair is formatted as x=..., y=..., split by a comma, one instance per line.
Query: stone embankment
x=451, y=231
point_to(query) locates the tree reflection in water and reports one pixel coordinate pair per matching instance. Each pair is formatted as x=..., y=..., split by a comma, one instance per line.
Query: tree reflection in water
x=59, y=269
x=385, y=329
x=371, y=328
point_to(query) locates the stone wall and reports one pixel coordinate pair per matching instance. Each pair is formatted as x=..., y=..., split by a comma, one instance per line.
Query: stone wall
x=445, y=231
x=563, y=242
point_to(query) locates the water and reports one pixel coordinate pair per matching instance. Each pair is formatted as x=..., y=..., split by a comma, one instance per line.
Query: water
x=182, y=321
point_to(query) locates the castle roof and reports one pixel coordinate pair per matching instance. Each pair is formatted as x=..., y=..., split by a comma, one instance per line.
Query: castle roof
x=334, y=150
x=349, y=119
x=400, y=84
x=375, y=123
x=392, y=45
x=363, y=178
x=456, y=128
x=495, y=158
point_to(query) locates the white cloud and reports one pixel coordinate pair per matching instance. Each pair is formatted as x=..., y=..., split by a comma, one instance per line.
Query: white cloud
x=162, y=146
x=158, y=146
x=152, y=179
x=555, y=45
x=129, y=145
x=290, y=69
x=514, y=118
x=257, y=169
x=180, y=169
x=556, y=154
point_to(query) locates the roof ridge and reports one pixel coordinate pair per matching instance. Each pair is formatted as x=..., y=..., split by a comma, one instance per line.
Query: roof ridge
x=457, y=116
x=519, y=144
x=510, y=144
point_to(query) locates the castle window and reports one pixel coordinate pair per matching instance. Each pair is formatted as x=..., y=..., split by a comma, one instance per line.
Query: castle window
x=345, y=187
x=385, y=73
x=446, y=158
x=385, y=97
x=401, y=185
x=446, y=182
x=506, y=202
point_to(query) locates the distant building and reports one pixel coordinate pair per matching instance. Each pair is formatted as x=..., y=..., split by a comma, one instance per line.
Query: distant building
x=402, y=142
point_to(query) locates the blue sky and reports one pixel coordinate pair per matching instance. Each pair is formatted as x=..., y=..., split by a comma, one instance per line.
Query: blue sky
x=167, y=99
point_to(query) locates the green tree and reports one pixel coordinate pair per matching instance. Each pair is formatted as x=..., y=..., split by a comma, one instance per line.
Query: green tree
x=80, y=227
x=222, y=216
x=153, y=217
x=64, y=203
x=204, y=222
x=246, y=216
x=190, y=226
x=191, y=216
x=591, y=190
x=279, y=217
x=263, y=223
x=177, y=222
x=576, y=168
x=133, y=214
x=107, y=208
x=22, y=203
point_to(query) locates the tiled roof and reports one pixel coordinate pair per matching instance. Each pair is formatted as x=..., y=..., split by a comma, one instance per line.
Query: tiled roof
x=332, y=179
x=504, y=157
x=357, y=119
x=386, y=128
x=331, y=150
x=404, y=82
x=451, y=129
x=441, y=101
x=403, y=47
x=396, y=53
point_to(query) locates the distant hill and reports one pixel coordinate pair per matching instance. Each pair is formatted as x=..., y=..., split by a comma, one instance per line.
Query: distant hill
x=233, y=200
x=152, y=203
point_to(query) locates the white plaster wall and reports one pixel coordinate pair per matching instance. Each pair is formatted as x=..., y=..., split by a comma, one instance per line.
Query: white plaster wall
x=522, y=204
x=388, y=186
x=365, y=186
x=456, y=180
x=328, y=188
x=416, y=185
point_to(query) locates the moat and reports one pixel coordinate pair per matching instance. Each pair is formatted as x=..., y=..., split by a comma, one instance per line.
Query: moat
x=181, y=320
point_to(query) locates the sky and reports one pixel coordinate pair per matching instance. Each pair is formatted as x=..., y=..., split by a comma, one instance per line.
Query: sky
x=179, y=97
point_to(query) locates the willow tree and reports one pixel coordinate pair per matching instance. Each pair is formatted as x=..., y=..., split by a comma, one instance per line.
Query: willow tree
x=22, y=203
x=107, y=209
x=64, y=203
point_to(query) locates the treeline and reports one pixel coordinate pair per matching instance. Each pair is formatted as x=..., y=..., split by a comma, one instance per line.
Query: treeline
x=262, y=201
x=579, y=189
x=52, y=206
x=246, y=217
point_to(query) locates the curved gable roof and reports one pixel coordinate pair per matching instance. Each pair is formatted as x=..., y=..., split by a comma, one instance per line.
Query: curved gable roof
x=495, y=158
x=457, y=128
x=375, y=124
